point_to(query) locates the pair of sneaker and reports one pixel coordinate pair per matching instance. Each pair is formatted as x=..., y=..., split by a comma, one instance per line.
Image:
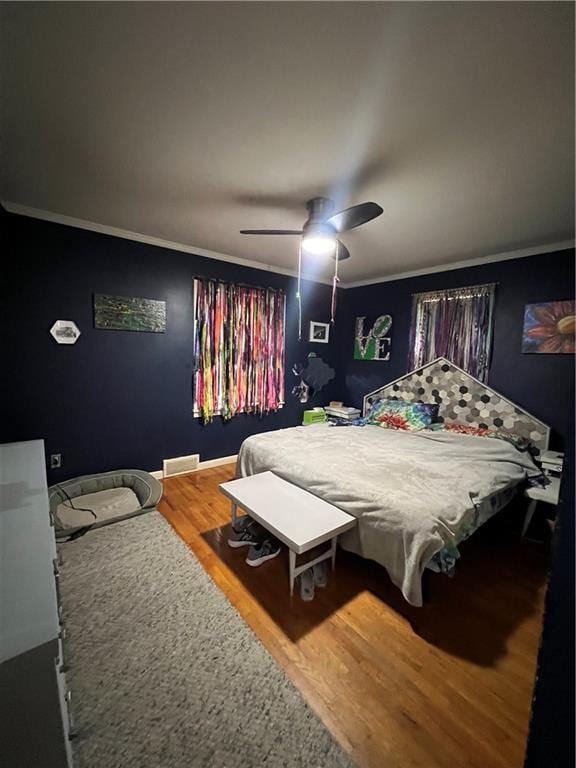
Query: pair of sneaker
x=247, y=533
x=317, y=576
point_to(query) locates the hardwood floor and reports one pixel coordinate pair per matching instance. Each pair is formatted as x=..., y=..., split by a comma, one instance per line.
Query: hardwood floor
x=447, y=685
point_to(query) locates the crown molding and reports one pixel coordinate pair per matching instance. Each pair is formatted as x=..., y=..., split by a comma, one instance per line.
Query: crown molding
x=505, y=256
x=104, y=229
x=70, y=221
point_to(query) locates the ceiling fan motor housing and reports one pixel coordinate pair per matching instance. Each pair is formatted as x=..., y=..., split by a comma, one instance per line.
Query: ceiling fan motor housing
x=320, y=209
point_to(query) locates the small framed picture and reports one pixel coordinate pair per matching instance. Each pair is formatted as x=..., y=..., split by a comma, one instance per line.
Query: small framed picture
x=319, y=332
x=65, y=331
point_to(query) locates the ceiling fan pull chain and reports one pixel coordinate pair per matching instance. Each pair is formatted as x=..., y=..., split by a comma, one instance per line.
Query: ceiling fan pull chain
x=335, y=282
x=298, y=293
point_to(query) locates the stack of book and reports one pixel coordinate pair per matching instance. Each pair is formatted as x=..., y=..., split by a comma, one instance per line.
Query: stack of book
x=340, y=411
x=552, y=462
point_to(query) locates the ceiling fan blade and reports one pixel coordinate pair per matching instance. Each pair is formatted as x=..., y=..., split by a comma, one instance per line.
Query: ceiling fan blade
x=342, y=251
x=354, y=216
x=270, y=231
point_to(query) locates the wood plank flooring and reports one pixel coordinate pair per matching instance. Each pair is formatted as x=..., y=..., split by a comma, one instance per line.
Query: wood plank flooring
x=444, y=686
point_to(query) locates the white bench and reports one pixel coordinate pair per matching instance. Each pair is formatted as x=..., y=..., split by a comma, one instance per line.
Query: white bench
x=297, y=518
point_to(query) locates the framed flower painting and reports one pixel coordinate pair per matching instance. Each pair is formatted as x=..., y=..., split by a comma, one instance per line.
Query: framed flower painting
x=549, y=327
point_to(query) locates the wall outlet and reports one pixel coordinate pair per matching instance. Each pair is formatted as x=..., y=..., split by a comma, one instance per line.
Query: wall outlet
x=55, y=460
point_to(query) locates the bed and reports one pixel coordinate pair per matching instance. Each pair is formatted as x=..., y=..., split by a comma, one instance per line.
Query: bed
x=416, y=495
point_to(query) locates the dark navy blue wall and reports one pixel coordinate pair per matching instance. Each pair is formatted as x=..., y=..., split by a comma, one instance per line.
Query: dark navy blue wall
x=119, y=398
x=543, y=384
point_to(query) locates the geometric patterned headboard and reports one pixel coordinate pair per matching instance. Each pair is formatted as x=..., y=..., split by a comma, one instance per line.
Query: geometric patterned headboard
x=464, y=399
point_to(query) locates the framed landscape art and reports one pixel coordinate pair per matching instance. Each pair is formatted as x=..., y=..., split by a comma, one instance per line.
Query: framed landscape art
x=126, y=313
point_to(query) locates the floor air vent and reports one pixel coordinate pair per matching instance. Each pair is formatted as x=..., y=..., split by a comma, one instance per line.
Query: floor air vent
x=181, y=465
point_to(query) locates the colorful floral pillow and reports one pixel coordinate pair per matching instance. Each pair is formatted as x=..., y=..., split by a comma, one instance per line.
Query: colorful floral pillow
x=521, y=443
x=466, y=429
x=397, y=414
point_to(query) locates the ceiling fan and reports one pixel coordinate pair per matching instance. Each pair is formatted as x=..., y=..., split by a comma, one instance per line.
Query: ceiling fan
x=319, y=233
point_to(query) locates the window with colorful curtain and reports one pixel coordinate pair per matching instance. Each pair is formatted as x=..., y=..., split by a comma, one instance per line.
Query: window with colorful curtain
x=456, y=324
x=238, y=349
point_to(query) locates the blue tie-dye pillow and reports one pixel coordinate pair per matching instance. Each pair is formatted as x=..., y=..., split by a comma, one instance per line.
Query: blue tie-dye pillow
x=398, y=414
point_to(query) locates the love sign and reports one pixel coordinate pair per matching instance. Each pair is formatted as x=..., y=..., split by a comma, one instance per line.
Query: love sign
x=372, y=343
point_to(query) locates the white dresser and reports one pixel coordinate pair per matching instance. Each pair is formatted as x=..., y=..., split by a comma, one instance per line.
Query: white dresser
x=35, y=725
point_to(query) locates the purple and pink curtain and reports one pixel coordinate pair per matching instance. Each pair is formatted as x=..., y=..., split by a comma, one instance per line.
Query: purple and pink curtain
x=238, y=349
x=456, y=324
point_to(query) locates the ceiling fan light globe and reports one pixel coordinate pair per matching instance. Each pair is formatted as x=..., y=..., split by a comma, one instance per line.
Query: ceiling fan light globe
x=319, y=245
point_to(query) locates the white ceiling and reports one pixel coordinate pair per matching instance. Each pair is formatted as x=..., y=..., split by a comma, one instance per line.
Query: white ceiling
x=190, y=121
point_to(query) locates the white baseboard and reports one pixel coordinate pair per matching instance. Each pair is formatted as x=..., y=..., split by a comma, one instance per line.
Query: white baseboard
x=217, y=462
x=159, y=474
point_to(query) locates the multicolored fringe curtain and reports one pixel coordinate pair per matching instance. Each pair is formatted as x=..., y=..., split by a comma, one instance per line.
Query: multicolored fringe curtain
x=238, y=349
x=456, y=324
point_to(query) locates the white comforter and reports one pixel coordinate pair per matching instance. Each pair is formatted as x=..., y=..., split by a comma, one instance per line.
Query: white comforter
x=412, y=492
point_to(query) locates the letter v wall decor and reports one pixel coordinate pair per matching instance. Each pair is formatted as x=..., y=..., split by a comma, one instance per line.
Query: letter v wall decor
x=373, y=343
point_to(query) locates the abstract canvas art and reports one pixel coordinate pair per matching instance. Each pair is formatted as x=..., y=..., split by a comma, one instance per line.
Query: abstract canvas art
x=125, y=313
x=372, y=343
x=549, y=327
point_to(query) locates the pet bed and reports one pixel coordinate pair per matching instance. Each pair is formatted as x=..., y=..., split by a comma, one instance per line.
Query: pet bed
x=92, y=501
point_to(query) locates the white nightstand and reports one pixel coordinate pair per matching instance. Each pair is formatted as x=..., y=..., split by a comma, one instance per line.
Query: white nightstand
x=551, y=461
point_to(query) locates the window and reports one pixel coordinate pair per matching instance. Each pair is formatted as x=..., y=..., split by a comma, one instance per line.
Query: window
x=238, y=349
x=456, y=324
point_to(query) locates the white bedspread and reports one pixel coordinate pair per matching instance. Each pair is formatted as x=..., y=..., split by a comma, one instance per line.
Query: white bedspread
x=412, y=492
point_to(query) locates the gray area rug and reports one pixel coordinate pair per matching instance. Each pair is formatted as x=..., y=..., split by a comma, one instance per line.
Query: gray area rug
x=164, y=672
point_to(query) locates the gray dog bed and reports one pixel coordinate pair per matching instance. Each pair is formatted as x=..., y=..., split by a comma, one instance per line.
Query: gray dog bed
x=92, y=501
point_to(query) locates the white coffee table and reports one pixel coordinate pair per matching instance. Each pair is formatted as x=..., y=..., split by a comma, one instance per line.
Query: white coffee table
x=297, y=518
